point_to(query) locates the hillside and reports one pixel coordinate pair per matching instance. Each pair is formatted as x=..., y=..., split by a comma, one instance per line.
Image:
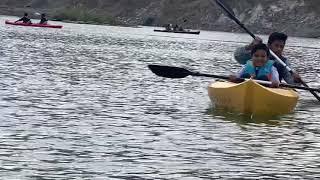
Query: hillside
x=295, y=17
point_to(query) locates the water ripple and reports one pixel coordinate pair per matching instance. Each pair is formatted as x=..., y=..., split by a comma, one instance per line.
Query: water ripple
x=80, y=103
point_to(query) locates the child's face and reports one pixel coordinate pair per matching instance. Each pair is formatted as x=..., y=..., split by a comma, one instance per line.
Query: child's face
x=277, y=47
x=259, y=58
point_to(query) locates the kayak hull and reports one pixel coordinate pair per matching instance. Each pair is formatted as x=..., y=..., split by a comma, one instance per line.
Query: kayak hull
x=33, y=25
x=182, y=32
x=252, y=98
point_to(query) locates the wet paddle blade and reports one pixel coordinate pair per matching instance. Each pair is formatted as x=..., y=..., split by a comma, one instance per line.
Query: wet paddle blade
x=169, y=72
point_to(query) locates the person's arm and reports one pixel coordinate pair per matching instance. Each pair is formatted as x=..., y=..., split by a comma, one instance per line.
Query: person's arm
x=296, y=77
x=243, y=54
x=234, y=77
x=275, y=75
x=289, y=77
x=240, y=72
x=19, y=20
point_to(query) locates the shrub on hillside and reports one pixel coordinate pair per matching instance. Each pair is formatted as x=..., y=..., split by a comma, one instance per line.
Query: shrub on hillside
x=84, y=15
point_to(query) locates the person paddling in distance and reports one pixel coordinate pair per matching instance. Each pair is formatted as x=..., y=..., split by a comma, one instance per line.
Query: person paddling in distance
x=276, y=43
x=43, y=20
x=25, y=19
x=259, y=67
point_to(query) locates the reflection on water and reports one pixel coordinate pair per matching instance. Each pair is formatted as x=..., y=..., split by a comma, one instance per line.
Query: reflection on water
x=244, y=119
x=80, y=103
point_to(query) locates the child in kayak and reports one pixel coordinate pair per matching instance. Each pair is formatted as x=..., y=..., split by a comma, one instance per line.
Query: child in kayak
x=25, y=19
x=43, y=20
x=259, y=67
x=276, y=43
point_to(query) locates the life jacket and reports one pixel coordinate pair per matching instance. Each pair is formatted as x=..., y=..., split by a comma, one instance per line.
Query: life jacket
x=261, y=73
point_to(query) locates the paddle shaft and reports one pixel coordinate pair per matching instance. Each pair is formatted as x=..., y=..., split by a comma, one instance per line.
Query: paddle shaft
x=178, y=72
x=234, y=18
x=257, y=81
x=271, y=52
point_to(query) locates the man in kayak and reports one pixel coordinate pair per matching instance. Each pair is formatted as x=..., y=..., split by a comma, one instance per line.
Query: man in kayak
x=175, y=27
x=43, y=20
x=259, y=67
x=168, y=27
x=25, y=19
x=276, y=43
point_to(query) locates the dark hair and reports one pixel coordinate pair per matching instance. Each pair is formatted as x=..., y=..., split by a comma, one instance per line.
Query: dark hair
x=277, y=36
x=25, y=14
x=260, y=47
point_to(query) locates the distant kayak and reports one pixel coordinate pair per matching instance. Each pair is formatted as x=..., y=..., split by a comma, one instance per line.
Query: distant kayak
x=33, y=24
x=185, y=31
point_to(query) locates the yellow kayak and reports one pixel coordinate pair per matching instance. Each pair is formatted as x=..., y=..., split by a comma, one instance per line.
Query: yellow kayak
x=252, y=98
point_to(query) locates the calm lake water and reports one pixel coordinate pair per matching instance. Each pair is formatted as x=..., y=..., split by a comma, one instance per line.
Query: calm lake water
x=80, y=103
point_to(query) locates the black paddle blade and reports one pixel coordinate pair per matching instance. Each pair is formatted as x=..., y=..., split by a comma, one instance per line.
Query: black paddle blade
x=169, y=71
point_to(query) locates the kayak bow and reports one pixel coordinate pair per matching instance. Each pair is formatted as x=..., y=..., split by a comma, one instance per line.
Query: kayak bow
x=252, y=98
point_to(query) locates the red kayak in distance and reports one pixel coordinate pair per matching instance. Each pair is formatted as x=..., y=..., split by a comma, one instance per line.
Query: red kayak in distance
x=33, y=24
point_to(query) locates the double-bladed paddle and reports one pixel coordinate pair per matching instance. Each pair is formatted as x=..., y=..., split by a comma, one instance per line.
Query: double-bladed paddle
x=178, y=72
x=232, y=16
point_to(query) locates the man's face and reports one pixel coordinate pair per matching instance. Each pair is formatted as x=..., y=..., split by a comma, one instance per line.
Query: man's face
x=277, y=47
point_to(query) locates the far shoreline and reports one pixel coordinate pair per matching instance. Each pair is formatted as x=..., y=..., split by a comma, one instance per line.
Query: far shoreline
x=128, y=25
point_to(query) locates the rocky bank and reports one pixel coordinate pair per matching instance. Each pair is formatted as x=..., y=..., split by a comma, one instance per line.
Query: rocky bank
x=295, y=17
